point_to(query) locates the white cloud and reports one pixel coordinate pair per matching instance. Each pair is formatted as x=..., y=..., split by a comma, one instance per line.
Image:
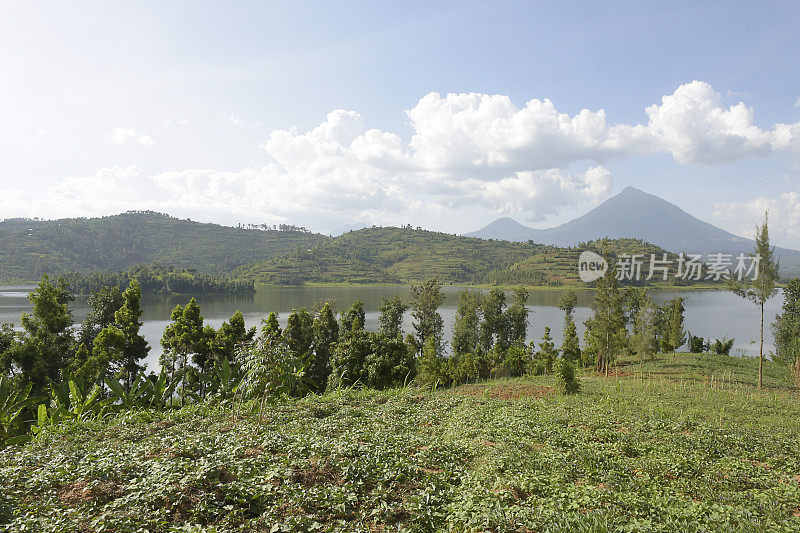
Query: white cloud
x=736, y=94
x=692, y=125
x=236, y=121
x=540, y=193
x=479, y=132
x=124, y=136
x=797, y=102
x=466, y=151
x=784, y=217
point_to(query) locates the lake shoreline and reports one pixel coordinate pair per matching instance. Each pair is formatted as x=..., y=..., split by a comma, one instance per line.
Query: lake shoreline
x=345, y=285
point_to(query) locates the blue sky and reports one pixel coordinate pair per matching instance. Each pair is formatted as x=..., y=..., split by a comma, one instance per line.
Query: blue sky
x=321, y=113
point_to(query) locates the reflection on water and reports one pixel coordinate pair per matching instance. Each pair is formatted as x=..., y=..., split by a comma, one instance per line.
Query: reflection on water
x=713, y=314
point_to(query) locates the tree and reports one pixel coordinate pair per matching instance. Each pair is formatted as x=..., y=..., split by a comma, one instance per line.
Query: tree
x=299, y=332
x=493, y=325
x=566, y=382
x=428, y=323
x=641, y=316
x=104, y=302
x=326, y=335
x=47, y=344
x=185, y=336
x=786, y=328
x=354, y=319
x=547, y=353
x=465, y=328
x=349, y=357
x=390, y=319
x=516, y=319
x=762, y=287
x=431, y=366
x=570, y=348
x=231, y=336
x=270, y=326
x=389, y=363
x=607, y=333
x=673, y=312
x=107, y=348
x=8, y=340
x=134, y=347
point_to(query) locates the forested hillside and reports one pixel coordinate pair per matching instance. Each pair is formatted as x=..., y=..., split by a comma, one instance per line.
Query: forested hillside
x=31, y=248
x=156, y=279
x=403, y=255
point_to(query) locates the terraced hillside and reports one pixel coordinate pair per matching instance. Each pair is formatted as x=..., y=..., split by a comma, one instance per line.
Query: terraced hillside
x=31, y=248
x=403, y=255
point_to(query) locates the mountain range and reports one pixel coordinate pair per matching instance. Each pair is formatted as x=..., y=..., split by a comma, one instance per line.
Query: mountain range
x=634, y=213
x=640, y=222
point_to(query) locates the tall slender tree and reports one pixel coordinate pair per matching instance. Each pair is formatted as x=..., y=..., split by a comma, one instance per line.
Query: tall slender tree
x=128, y=319
x=185, y=336
x=786, y=328
x=570, y=348
x=607, y=332
x=326, y=335
x=465, y=329
x=104, y=303
x=493, y=323
x=428, y=323
x=231, y=336
x=390, y=318
x=354, y=319
x=676, y=334
x=516, y=319
x=270, y=327
x=641, y=317
x=762, y=287
x=547, y=353
x=47, y=344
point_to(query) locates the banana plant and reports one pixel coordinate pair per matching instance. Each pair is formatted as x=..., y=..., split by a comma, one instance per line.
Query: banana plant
x=14, y=403
x=138, y=396
x=159, y=393
x=70, y=401
x=223, y=381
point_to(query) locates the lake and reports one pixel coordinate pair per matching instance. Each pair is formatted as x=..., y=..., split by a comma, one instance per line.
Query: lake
x=714, y=314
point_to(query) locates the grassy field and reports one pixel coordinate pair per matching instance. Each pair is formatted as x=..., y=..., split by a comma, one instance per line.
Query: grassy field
x=661, y=447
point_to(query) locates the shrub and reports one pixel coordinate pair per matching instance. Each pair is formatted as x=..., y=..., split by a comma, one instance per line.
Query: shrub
x=516, y=360
x=696, y=344
x=272, y=370
x=565, y=378
x=373, y=360
x=722, y=347
x=430, y=367
x=390, y=362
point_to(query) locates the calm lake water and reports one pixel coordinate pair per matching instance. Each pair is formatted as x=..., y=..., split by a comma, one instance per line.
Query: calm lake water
x=714, y=314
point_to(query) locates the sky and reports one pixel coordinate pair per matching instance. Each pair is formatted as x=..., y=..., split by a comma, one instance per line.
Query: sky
x=444, y=115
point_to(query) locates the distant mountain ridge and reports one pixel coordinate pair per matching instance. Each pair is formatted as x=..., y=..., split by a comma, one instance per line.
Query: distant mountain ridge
x=30, y=248
x=391, y=255
x=639, y=215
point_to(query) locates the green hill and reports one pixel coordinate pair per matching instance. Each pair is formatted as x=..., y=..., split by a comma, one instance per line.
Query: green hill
x=30, y=248
x=403, y=255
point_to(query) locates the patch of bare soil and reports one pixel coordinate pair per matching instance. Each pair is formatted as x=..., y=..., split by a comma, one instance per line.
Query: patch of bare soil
x=84, y=491
x=321, y=474
x=504, y=392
